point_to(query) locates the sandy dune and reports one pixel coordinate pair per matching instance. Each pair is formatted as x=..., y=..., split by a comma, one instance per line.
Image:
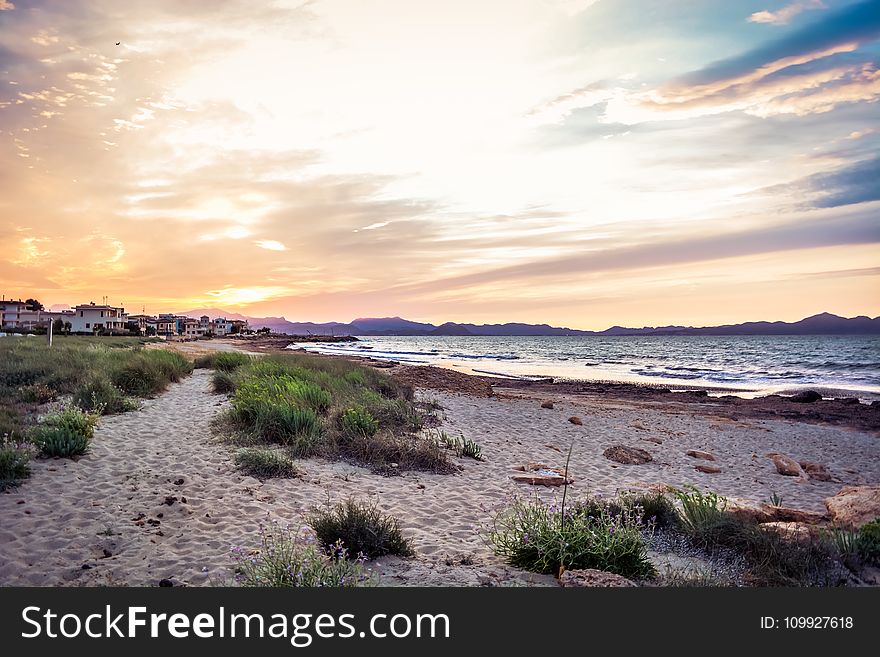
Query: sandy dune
x=158, y=497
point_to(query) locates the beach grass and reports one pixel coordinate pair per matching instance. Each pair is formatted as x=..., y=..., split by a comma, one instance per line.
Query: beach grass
x=15, y=459
x=265, y=463
x=549, y=538
x=772, y=557
x=287, y=559
x=319, y=406
x=360, y=528
x=90, y=376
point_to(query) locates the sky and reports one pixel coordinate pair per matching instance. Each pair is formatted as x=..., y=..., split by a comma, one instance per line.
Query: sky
x=575, y=162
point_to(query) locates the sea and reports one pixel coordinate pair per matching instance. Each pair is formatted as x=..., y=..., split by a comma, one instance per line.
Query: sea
x=743, y=365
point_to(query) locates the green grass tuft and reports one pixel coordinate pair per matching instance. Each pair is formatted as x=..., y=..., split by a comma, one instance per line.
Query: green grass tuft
x=265, y=464
x=14, y=463
x=360, y=528
x=592, y=534
x=287, y=560
x=330, y=407
x=66, y=434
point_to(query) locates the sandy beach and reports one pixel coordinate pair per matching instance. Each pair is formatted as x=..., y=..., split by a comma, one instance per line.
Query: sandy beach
x=158, y=497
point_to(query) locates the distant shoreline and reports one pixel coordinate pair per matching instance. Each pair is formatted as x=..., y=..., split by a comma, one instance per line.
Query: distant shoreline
x=843, y=410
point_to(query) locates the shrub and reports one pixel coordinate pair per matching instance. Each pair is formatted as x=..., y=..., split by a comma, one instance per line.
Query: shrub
x=99, y=395
x=265, y=464
x=461, y=446
x=149, y=372
x=66, y=434
x=655, y=508
x=858, y=545
x=285, y=559
x=361, y=528
x=37, y=393
x=321, y=405
x=471, y=449
x=357, y=421
x=542, y=538
x=699, y=510
x=772, y=557
x=14, y=463
x=265, y=408
x=869, y=542
x=58, y=441
x=223, y=382
x=75, y=420
x=224, y=361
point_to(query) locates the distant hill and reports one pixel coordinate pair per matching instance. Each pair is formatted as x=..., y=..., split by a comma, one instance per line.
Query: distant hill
x=821, y=324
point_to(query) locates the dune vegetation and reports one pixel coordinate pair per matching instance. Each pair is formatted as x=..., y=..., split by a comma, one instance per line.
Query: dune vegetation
x=318, y=406
x=50, y=398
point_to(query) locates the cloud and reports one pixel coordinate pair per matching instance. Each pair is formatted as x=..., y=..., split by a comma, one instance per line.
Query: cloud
x=856, y=228
x=271, y=245
x=783, y=15
x=6, y=5
x=839, y=31
x=855, y=183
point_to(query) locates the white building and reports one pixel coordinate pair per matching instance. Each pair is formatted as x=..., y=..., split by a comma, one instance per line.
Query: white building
x=10, y=313
x=31, y=319
x=222, y=326
x=94, y=318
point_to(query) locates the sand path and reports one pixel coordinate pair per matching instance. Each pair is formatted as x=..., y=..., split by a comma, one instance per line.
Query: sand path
x=158, y=496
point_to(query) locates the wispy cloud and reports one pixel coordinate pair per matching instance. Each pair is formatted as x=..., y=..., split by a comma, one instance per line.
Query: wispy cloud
x=784, y=14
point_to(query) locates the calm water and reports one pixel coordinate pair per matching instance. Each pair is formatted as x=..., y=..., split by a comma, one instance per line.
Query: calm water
x=751, y=363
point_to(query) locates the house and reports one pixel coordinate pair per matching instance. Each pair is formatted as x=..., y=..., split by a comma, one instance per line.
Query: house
x=10, y=313
x=222, y=326
x=206, y=326
x=141, y=322
x=193, y=328
x=179, y=322
x=32, y=319
x=162, y=326
x=239, y=326
x=96, y=318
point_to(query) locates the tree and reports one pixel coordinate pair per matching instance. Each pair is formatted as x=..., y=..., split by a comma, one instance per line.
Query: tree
x=58, y=326
x=33, y=304
x=67, y=327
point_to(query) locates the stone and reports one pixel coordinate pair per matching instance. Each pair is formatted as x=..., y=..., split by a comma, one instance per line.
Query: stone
x=748, y=511
x=708, y=469
x=529, y=467
x=652, y=439
x=627, y=455
x=816, y=471
x=786, y=514
x=854, y=506
x=539, y=474
x=547, y=404
x=805, y=397
x=165, y=583
x=785, y=465
x=590, y=577
x=574, y=419
x=697, y=454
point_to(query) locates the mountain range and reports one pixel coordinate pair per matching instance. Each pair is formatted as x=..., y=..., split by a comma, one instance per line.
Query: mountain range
x=821, y=324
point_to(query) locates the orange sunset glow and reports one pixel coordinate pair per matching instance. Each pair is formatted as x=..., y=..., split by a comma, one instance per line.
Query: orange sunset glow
x=581, y=163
